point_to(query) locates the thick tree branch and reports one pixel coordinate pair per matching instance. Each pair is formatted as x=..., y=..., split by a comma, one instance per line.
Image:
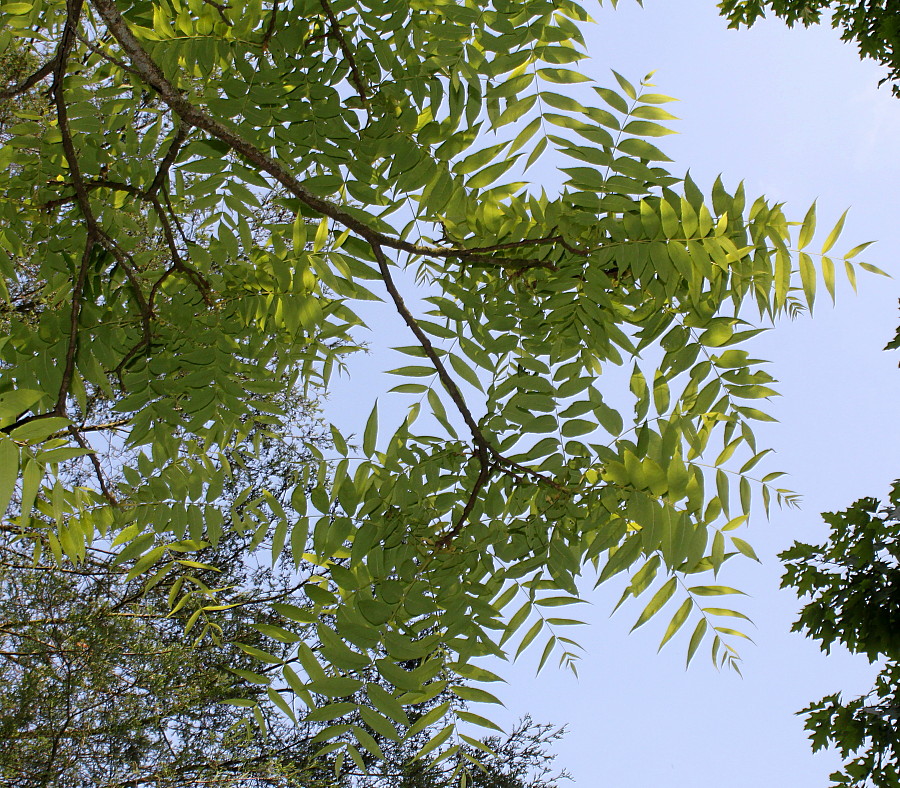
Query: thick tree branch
x=194, y=116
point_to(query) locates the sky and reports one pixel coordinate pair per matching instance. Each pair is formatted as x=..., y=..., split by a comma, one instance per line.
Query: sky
x=798, y=117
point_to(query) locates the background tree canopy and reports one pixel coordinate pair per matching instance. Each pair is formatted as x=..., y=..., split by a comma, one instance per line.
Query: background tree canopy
x=196, y=199
x=873, y=25
x=851, y=582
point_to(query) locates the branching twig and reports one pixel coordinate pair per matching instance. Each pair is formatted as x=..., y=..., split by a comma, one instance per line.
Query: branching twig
x=105, y=55
x=178, y=264
x=483, y=447
x=481, y=443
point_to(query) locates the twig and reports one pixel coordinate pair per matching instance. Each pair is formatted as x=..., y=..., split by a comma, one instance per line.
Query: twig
x=483, y=447
x=178, y=264
x=481, y=443
x=484, y=473
x=73, y=14
x=355, y=75
x=98, y=469
x=181, y=134
x=270, y=28
x=105, y=55
x=69, y=367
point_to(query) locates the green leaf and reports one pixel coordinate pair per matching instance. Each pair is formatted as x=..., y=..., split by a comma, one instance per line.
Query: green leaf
x=379, y=724
x=39, y=430
x=525, y=135
x=464, y=371
x=530, y=635
x=475, y=719
x=857, y=249
x=851, y=274
x=562, y=76
x=681, y=615
x=808, y=228
x=744, y=548
x=386, y=703
x=659, y=599
x=370, y=435
x=713, y=590
x=613, y=99
x=436, y=741
x=474, y=694
x=280, y=702
x=645, y=128
x=721, y=611
x=31, y=482
x=655, y=98
x=696, y=639
x=515, y=622
x=641, y=149
x=808, y=278
x=16, y=403
x=834, y=234
x=335, y=686
x=514, y=110
x=9, y=472
x=872, y=269
x=828, y=276
x=626, y=86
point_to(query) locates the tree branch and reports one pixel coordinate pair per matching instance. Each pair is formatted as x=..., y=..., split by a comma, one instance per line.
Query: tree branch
x=73, y=15
x=153, y=75
x=337, y=34
x=98, y=469
x=192, y=115
x=181, y=134
x=484, y=473
x=29, y=82
x=270, y=28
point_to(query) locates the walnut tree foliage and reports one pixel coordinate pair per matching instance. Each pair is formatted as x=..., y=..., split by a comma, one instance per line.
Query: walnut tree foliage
x=205, y=196
x=873, y=25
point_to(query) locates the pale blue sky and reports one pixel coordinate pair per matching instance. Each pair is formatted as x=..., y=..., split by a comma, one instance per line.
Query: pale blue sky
x=797, y=116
